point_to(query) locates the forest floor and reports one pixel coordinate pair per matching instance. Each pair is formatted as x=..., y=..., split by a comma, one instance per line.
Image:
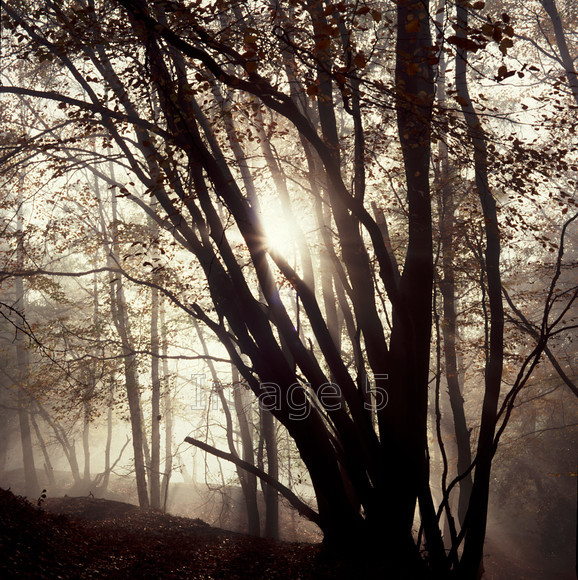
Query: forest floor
x=85, y=537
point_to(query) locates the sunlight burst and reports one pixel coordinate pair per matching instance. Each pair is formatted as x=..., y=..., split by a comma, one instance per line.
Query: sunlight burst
x=279, y=234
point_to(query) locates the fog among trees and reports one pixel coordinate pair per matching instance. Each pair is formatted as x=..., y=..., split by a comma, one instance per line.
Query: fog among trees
x=302, y=269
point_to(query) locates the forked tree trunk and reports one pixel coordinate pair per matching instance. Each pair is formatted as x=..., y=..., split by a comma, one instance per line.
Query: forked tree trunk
x=48, y=469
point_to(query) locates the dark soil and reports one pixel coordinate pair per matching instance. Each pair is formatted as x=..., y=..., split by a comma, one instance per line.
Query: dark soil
x=85, y=537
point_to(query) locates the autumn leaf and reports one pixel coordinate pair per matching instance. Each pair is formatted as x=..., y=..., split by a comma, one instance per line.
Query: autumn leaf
x=464, y=43
x=504, y=73
x=340, y=78
x=323, y=43
x=359, y=60
x=497, y=34
x=312, y=90
x=505, y=44
x=488, y=30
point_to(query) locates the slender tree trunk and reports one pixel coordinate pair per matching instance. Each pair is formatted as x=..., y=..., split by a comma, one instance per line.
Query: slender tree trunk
x=565, y=56
x=245, y=429
x=86, y=444
x=326, y=264
x=283, y=192
x=271, y=496
x=449, y=326
x=168, y=407
x=476, y=518
x=133, y=396
x=154, y=476
x=107, y=465
x=247, y=481
x=32, y=487
x=449, y=332
x=122, y=324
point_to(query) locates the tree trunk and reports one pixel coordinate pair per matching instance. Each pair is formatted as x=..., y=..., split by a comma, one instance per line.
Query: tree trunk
x=271, y=497
x=86, y=444
x=245, y=428
x=168, y=408
x=403, y=421
x=122, y=324
x=32, y=487
x=103, y=486
x=476, y=518
x=68, y=447
x=247, y=481
x=447, y=284
x=48, y=469
x=155, y=465
x=565, y=56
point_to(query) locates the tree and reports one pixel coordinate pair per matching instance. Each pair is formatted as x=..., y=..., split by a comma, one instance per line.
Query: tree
x=355, y=401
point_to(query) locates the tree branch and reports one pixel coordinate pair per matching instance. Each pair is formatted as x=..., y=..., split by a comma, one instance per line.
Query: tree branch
x=299, y=505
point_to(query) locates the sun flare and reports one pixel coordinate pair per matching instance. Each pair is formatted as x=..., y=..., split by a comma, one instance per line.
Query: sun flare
x=279, y=234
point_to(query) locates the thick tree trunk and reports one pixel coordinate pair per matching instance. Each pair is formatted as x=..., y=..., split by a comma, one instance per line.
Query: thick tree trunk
x=403, y=421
